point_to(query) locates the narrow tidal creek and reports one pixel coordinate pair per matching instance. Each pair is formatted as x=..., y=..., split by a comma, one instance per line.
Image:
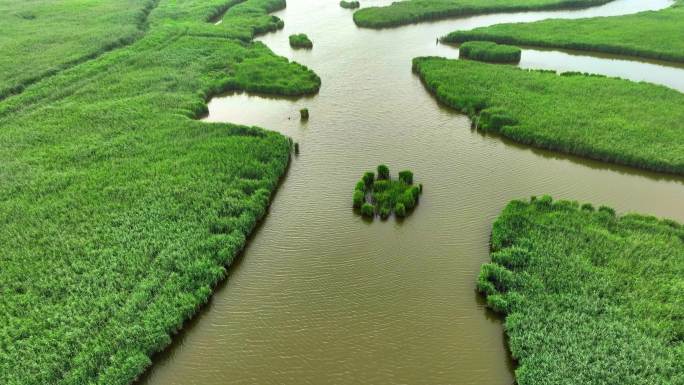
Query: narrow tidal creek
x=321, y=296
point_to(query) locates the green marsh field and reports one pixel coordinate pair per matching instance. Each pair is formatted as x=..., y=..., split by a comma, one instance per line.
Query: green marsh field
x=582, y=285
x=172, y=215
x=412, y=11
x=646, y=35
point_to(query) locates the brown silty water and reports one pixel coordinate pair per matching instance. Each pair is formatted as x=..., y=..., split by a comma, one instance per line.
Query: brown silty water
x=321, y=296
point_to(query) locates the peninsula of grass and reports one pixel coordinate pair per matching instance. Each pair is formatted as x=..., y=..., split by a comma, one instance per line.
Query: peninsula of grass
x=350, y=4
x=607, y=119
x=381, y=195
x=589, y=297
x=300, y=40
x=413, y=11
x=120, y=210
x=489, y=52
x=646, y=34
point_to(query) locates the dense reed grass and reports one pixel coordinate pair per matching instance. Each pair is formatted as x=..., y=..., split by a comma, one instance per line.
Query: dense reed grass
x=300, y=40
x=119, y=210
x=589, y=297
x=608, y=119
x=489, y=52
x=413, y=11
x=40, y=38
x=383, y=195
x=350, y=4
x=645, y=34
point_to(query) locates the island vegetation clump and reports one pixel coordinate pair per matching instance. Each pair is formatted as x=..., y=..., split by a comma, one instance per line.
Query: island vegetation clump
x=383, y=195
x=350, y=4
x=642, y=35
x=300, y=40
x=412, y=11
x=115, y=234
x=489, y=52
x=589, y=297
x=592, y=116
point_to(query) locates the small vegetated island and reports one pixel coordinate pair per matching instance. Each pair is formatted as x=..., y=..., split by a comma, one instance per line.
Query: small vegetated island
x=300, y=40
x=607, y=119
x=645, y=34
x=349, y=4
x=589, y=297
x=383, y=195
x=412, y=11
x=489, y=52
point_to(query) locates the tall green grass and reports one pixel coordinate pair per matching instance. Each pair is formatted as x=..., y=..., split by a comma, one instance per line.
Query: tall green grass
x=489, y=52
x=119, y=209
x=413, y=11
x=300, y=40
x=40, y=38
x=589, y=297
x=652, y=35
x=608, y=119
x=350, y=4
x=384, y=195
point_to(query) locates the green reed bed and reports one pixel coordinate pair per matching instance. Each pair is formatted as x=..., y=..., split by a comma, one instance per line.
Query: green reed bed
x=350, y=4
x=646, y=34
x=119, y=209
x=489, y=52
x=608, y=119
x=40, y=38
x=300, y=40
x=382, y=195
x=589, y=297
x=413, y=11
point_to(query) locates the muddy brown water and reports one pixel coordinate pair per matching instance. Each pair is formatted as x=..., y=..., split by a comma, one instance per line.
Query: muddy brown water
x=321, y=296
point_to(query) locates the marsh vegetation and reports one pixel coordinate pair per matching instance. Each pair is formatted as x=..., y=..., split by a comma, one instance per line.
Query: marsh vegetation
x=300, y=40
x=412, y=11
x=350, y=4
x=642, y=35
x=589, y=297
x=489, y=52
x=383, y=195
x=131, y=208
x=592, y=116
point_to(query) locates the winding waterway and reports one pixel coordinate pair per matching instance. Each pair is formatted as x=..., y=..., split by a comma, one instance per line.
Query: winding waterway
x=321, y=296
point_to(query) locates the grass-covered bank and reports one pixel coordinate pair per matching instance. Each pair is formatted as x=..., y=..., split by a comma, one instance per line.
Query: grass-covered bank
x=488, y=51
x=589, y=297
x=413, y=11
x=608, y=119
x=40, y=38
x=119, y=210
x=649, y=35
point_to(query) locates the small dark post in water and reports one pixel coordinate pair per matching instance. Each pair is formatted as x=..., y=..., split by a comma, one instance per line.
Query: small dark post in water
x=304, y=113
x=296, y=148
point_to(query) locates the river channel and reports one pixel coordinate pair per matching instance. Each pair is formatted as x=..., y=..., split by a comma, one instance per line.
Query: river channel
x=322, y=296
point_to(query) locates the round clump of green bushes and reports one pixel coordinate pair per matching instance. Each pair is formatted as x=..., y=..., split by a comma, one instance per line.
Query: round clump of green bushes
x=300, y=40
x=368, y=210
x=349, y=4
x=488, y=51
x=382, y=195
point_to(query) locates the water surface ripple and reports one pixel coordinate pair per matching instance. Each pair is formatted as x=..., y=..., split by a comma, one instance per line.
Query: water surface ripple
x=324, y=297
